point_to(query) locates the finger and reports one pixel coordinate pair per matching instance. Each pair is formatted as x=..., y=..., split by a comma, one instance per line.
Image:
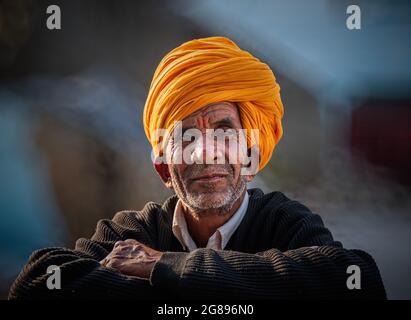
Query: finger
x=119, y=243
x=132, y=241
x=137, y=248
x=123, y=249
x=114, y=262
x=118, y=257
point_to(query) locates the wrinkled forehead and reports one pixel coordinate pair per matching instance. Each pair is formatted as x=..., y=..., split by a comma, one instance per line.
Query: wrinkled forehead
x=213, y=114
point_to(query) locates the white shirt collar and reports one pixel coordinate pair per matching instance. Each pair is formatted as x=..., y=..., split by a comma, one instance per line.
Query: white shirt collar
x=219, y=239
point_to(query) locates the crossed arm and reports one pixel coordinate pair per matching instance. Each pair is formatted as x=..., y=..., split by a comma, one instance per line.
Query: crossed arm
x=121, y=262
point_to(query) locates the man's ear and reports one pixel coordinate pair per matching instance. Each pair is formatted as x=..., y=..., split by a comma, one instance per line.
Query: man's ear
x=164, y=173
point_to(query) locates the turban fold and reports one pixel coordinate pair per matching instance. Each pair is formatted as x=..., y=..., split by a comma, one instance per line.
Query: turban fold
x=211, y=70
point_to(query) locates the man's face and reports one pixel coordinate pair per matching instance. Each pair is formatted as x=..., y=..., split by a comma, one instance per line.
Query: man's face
x=210, y=186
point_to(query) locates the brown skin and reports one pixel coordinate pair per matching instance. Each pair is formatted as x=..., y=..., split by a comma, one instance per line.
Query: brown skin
x=134, y=258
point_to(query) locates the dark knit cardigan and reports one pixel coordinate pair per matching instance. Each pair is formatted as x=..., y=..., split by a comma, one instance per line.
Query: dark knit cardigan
x=271, y=255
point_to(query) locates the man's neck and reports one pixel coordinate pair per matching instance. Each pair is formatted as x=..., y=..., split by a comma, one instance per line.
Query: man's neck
x=202, y=226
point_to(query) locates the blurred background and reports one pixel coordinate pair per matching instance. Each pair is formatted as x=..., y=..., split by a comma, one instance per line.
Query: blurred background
x=73, y=149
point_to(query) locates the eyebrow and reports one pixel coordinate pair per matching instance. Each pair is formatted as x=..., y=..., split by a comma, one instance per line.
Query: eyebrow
x=223, y=122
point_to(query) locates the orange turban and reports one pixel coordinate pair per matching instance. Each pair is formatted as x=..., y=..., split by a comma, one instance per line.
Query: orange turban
x=210, y=70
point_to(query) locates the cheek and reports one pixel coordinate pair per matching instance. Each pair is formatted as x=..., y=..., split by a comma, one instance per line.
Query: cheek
x=177, y=171
x=234, y=152
x=236, y=172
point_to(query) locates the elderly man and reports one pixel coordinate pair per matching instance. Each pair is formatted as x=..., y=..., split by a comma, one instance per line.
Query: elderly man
x=213, y=238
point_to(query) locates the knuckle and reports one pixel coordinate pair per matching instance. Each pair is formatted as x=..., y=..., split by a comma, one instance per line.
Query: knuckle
x=119, y=243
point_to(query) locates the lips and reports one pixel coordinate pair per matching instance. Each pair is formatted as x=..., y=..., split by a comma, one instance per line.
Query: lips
x=212, y=177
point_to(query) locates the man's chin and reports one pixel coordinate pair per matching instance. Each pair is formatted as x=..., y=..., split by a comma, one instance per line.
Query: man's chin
x=210, y=200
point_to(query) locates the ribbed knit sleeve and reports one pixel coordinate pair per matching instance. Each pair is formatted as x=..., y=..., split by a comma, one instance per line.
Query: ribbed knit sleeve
x=82, y=276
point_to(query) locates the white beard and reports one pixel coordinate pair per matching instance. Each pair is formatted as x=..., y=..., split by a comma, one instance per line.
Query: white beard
x=224, y=201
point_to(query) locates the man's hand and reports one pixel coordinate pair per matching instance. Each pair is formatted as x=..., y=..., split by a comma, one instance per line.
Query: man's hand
x=132, y=258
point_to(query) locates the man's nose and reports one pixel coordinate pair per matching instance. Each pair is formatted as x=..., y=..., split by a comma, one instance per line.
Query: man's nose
x=207, y=150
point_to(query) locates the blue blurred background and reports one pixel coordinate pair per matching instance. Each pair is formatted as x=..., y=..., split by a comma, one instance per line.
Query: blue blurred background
x=73, y=150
